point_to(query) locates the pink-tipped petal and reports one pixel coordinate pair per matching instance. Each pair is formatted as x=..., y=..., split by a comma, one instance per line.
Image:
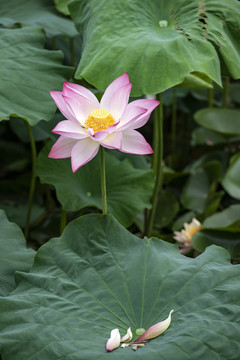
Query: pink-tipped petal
x=82, y=152
x=70, y=129
x=130, y=115
x=134, y=143
x=149, y=105
x=61, y=104
x=86, y=104
x=155, y=330
x=110, y=90
x=114, y=340
x=68, y=88
x=112, y=141
x=119, y=101
x=80, y=106
x=62, y=148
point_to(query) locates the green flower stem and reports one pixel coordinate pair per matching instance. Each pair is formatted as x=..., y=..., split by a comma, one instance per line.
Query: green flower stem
x=158, y=154
x=63, y=221
x=33, y=178
x=103, y=182
x=174, y=120
x=226, y=91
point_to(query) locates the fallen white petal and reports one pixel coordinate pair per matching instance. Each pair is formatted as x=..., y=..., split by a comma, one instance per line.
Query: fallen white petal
x=128, y=336
x=114, y=340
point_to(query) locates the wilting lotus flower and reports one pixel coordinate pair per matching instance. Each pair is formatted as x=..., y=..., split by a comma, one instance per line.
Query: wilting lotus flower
x=184, y=236
x=155, y=330
x=110, y=123
x=114, y=340
x=150, y=333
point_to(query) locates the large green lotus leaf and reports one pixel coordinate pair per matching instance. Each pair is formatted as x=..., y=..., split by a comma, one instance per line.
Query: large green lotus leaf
x=27, y=73
x=98, y=277
x=221, y=28
x=13, y=254
x=228, y=218
x=158, y=42
x=40, y=13
x=224, y=121
x=230, y=181
x=129, y=190
x=227, y=239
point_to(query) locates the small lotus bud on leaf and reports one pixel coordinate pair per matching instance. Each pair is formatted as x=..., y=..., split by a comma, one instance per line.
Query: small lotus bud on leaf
x=114, y=340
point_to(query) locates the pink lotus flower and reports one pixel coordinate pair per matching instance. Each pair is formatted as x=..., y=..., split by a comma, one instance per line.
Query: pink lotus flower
x=110, y=123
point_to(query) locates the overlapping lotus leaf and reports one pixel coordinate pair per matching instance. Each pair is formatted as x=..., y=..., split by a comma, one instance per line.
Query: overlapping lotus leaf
x=98, y=277
x=27, y=73
x=223, y=121
x=14, y=254
x=158, y=42
x=40, y=13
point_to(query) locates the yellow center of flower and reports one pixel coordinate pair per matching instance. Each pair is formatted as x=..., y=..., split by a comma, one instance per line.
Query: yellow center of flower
x=98, y=120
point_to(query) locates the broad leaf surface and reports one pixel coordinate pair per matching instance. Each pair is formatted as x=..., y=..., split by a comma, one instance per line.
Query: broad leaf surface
x=230, y=181
x=27, y=73
x=98, y=276
x=224, y=121
x=13, y=254
x=158, y=42
x=129, y=190
x=40, y=13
